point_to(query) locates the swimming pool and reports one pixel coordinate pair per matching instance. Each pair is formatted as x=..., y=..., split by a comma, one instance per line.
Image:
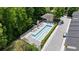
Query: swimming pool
x=42, y=31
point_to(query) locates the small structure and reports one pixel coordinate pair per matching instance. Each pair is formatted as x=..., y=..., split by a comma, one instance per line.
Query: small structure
x=48, y=16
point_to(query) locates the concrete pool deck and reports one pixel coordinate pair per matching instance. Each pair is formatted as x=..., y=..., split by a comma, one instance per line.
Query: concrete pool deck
x=30, y=38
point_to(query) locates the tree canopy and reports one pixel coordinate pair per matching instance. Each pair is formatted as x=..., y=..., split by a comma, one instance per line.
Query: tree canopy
x=15, y=21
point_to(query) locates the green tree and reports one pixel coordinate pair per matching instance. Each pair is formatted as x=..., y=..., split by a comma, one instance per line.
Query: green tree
x=24, y=22
x=30, y=11
x=71, y=10
x=3, y=40
x=9, y=18
x=58, y=12
x=38, y=12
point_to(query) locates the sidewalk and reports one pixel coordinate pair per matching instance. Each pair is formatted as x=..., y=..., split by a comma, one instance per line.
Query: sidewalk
x=54, y=42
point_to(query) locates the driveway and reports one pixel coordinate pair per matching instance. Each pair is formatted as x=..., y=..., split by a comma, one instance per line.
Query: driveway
x=54, y=42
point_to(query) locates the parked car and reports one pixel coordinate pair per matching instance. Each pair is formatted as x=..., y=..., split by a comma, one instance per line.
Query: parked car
x=65, y=35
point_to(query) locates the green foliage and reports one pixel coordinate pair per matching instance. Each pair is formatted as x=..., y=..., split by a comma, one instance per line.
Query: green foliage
x=48, y=35
x=30, y=11
x=71, y=10
x=48, y=9
x=21, y=45
x=9, y=21
x=16, y=22
x=59, y=11
x=38, y=13
x=51, y=8
x=3, y=40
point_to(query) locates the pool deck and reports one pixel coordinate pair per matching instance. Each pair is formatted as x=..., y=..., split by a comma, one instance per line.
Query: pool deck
x=28, y=35
x=29, y=39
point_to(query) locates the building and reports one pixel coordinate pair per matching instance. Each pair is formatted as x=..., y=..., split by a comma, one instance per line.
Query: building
x=48, y=16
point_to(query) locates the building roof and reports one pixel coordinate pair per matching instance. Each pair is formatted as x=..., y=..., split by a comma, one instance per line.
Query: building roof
x=72, y=38
x=48, y=16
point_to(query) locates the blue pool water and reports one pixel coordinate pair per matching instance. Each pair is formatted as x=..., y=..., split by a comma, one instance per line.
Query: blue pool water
x=42, y=32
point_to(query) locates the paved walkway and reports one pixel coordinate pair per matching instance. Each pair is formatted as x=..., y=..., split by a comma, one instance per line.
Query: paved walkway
x=54, y=43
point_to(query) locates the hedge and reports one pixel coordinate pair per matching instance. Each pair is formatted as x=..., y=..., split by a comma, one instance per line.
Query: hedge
x=48, y=35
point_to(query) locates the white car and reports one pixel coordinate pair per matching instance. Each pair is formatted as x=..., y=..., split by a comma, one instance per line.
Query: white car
x=64, y=35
